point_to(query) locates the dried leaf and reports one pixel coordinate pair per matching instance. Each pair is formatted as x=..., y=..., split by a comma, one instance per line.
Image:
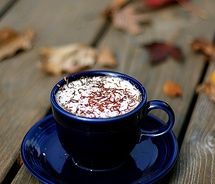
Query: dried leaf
x=12, y=41
x=172, y=89
x=160, y=51
x=105, y=58
x=212, y=78
x=208, y=87
x=156, y=4
x=67, y=59
x=129, y=20
x=204, y=46
x=73, y=58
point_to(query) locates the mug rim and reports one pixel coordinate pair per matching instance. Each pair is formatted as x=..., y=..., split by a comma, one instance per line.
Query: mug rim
x=86, y=73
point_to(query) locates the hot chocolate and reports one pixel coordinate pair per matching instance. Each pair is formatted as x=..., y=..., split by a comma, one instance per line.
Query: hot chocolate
x=98, y=97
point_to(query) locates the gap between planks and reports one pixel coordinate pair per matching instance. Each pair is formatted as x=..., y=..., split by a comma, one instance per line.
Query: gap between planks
x=15, y=167
x=12, y=171
x=190, y=111
x=100, y=33
x=7, y=7
x=193, y=101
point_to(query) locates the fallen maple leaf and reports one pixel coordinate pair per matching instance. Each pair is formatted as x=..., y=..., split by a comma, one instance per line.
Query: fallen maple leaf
x=67, y=59
x=105, y=58
x=208, y=87
x=129, y=20
x=73, y=58
x=12, y=41
x=160, y=51
x=172, y=89
x=203, y=46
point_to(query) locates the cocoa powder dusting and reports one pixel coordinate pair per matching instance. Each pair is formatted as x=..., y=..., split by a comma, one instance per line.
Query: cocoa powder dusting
x=98, y=97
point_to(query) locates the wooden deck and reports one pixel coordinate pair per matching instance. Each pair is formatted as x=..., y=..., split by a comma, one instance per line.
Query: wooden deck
x=24, y=90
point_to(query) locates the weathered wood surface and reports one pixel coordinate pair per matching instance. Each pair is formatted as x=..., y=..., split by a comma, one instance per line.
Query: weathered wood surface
x=4, y=4
x=23, y=176
x=196, y=162
x=24, y=90
x=174, y=25
x=79, y=23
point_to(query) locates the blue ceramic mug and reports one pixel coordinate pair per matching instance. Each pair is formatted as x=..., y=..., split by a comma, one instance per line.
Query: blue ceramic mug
x=105, y=143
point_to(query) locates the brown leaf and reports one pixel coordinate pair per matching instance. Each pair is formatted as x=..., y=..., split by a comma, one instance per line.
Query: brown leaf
x=129, y=20
x=172, y=89
x=208, y=87
x=203, y=46
x=160, y=51
x=12, y=41
x=74, y=58
x=105, y=58
x=67, y=59
x=212, y=78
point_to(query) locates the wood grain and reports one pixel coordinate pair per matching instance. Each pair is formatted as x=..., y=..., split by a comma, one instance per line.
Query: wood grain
x=196, y=162
x=4, y=5
x=23, y=176
x=174, y=25
x=24, y=90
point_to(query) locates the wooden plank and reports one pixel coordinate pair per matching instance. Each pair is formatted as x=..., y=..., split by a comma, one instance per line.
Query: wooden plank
x=5, y=4
x=23, y=176
x=24, y=90
x=175, y=25
x=196, y=162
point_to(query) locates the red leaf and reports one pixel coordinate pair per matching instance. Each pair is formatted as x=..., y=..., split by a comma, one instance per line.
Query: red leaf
x=177, y=54
x=154, y=4
x=160, y=51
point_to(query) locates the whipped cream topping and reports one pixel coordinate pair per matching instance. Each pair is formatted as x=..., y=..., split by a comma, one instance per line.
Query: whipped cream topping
x=98, y=97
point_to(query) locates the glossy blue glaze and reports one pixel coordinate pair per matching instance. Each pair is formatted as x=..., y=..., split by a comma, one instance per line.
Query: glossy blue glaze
x=101, y=143
x=47, y=160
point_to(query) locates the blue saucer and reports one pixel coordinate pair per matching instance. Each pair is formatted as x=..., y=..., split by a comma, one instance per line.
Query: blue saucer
x=45, y=158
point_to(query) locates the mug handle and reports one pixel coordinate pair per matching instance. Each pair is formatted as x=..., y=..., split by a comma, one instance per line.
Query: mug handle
x=157, y=104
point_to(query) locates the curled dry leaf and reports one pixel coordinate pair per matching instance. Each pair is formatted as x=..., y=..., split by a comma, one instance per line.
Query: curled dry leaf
x=208, y=87
x=172, y=89
x=12, y=41
x=203, y=46
x=105, y=58
x=67, y=59
x=160, y=51
x=129, y=20
x=73, y=58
